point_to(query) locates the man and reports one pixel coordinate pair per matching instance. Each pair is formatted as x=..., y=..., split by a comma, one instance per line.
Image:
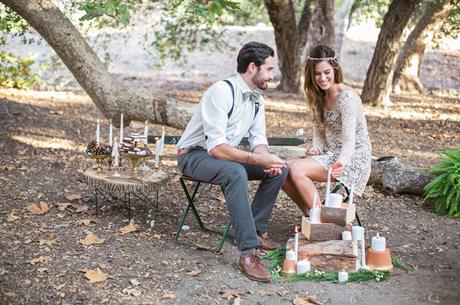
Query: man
x=207, y=152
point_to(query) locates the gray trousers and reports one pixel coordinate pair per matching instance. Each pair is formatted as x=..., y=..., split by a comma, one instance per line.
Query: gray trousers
x=246, y=219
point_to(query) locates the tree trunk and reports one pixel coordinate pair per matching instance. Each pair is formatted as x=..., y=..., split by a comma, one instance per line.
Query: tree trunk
x=377, y=85
x=110, y=96
x=407, y=71
x=282, y=17
x=387, y=172
x=322, y=24
x=342, y=19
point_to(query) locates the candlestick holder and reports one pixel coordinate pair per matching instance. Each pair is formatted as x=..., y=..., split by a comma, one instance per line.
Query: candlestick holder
x=99, y=160
x=134, y=162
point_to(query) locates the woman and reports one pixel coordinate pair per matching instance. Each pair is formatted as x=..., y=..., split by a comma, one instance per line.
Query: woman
x=340, y=138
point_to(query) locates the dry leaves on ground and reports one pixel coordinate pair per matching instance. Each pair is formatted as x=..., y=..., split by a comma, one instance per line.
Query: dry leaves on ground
x=193, y=272
x=230, y=294
x=12, y=217
x=49, y=240
x=91, y=239
x=78, y=208
x=307, y=300
x=72, y=197
x=95, y=276
x=264, y=293
x=131, y=227
x=168, y=296
x=86, y=222
x=132, y=291
x=39, y=209
x=40, y=260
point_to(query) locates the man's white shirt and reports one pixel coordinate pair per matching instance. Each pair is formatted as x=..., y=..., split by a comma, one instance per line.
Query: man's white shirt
x=210, y=125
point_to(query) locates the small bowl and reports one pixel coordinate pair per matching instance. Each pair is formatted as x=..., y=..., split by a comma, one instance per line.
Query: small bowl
x=379, y=260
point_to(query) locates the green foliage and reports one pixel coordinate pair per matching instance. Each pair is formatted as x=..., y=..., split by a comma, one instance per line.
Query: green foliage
x=119, y=10
x=276, y=258
x=15, y=71
x=445, y=188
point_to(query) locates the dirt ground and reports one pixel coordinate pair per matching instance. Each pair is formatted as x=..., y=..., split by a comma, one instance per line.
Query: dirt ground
x=42, y=141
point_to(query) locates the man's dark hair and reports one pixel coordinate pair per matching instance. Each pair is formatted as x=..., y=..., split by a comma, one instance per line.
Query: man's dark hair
x=255, y=52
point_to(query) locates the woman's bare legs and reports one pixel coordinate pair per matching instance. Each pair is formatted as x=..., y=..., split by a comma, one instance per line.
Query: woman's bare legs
x=299, y=184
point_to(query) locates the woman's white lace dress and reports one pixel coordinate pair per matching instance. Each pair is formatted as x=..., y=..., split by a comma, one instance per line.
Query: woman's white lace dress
x=344, y=139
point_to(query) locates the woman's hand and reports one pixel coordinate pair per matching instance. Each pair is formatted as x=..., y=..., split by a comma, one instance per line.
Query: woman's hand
x=337, y=170
x=313, y=151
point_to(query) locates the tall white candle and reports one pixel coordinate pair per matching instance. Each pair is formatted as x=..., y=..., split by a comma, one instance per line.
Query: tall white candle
x=98, y=131
x=121, y=128
x=350, y=198
x=296, y=243
x=315, y=215
x=110, y=132
x=157, y=153
x=162, y=141
x=328, y=186
x=378, y=243
x=115, y=155
x=314, y=201
x=146, y=132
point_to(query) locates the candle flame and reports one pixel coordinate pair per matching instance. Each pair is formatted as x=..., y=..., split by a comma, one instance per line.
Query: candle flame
x=163, y=128
x=378, y=235
x=296, y=229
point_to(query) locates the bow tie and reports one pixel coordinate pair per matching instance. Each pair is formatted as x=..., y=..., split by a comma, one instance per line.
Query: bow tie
x=252, y=96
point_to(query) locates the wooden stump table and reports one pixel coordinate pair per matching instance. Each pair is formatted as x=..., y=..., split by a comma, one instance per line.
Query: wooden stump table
x=143, y=186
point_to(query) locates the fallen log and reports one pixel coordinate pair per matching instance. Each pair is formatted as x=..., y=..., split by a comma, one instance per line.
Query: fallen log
x=387, y=172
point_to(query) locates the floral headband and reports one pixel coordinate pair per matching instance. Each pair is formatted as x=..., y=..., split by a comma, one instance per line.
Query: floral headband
x=333, y=59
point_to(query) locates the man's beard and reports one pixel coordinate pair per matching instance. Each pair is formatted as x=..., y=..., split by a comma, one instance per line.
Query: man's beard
x=259, y=82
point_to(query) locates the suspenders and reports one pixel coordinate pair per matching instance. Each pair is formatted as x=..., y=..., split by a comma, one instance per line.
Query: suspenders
x=233, y=97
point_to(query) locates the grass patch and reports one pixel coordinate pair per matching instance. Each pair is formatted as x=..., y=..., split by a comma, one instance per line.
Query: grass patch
x=277, y=256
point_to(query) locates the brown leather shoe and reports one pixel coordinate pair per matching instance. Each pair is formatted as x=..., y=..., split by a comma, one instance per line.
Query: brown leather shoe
x=254, y=269
x=266, y=244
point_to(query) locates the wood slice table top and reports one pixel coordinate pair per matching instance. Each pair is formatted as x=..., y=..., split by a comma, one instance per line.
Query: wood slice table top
x=141, y=182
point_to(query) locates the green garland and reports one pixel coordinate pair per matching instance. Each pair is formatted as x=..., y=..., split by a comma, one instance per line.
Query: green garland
x=276, y=258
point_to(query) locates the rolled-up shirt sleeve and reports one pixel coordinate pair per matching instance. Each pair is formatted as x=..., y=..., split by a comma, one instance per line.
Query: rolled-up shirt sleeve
x=216, y=103
x=257, y=132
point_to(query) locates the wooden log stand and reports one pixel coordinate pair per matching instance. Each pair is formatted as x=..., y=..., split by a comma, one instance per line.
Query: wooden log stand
x=321, y=231
x=340, y=216
x=330, y=256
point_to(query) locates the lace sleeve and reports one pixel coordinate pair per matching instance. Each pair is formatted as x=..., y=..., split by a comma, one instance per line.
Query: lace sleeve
x=319, y=136
x=348, y=107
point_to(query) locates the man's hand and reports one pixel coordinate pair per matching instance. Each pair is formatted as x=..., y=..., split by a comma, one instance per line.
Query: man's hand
x=313, y=151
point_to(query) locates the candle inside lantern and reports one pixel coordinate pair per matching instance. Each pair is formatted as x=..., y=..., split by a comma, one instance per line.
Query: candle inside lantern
x=110, y=132
x=378, y=243
x=296, y=243
x=146, y=132
x=357, y=233
x=328, y=186
x=303, y=266
x=343, y=276
x=346, y=235
x=290, y=255
x=121, y=129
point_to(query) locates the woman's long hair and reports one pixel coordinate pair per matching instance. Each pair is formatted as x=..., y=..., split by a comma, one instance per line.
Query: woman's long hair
x=315, y=95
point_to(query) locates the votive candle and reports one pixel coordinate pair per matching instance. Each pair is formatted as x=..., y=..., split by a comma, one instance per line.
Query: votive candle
x=303, y=266
x=378, y=243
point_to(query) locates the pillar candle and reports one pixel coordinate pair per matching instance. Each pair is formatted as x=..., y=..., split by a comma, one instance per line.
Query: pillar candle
x=115, y=154
x=162, y=141
x=343, y=276
x=357, y=233
x=328, y=186
x=146, y=132
x=98, y=130
x=378, y=243
x=346, y=235
x=303, y=266
x=121, y=128
x=110, y=132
